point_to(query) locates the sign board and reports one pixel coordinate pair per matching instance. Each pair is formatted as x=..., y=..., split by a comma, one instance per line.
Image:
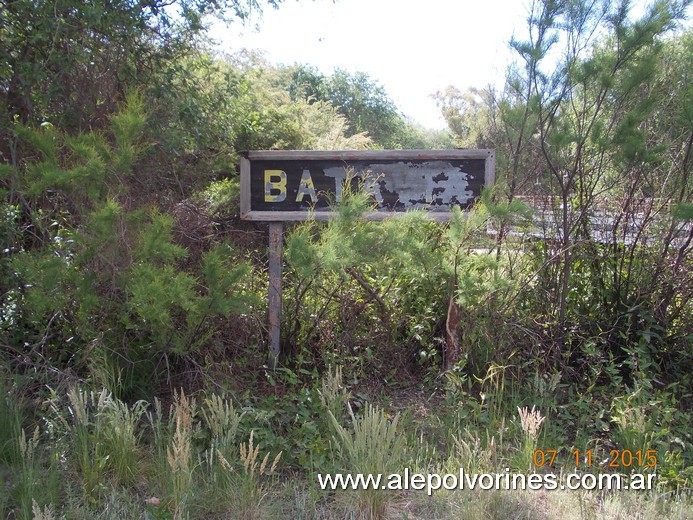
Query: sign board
x=278, y=186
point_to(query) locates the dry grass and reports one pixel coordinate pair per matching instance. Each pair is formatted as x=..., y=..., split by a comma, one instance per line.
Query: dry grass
x=200, y=470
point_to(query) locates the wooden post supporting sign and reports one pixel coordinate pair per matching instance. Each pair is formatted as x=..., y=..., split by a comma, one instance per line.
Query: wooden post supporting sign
x=275, y=290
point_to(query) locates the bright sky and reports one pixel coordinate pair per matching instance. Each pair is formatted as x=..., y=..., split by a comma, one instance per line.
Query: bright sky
x=411, y=48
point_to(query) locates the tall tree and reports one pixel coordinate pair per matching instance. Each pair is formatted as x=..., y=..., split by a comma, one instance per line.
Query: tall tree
x=364, y=103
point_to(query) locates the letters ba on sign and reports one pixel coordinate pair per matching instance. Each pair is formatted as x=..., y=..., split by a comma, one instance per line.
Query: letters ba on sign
x=296, y=185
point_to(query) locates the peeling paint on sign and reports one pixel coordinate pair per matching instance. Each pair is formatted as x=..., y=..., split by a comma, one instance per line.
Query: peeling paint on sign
x=292, y=185
x=434, y=185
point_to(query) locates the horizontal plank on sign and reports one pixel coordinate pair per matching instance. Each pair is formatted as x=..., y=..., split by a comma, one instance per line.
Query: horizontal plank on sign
x=298, y=216
x=355, y=155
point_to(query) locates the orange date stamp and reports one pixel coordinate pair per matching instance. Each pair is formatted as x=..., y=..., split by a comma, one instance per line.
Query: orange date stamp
x=619, y=459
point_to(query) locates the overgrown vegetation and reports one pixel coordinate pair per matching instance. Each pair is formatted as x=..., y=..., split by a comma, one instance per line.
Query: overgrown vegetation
x=554, y=318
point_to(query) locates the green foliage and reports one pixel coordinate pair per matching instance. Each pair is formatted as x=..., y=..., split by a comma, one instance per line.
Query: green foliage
x=159, y=294
x=296, y=424
x=105, y=272
x=220, y=198
x=84, y=166
x=650, y=420
x=365, y=105
x=361, y=263
x=328, y=129
x=683, y=211
x=407, y=268
x=467, y=115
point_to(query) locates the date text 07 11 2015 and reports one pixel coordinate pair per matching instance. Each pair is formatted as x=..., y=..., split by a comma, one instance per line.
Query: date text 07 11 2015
x=585, y=458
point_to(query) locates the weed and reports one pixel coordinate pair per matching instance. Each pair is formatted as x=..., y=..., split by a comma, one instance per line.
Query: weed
x=530, y=423
x=223, y=420
x=470, y=453
x=10, y=425
x=178, y=454
x=493, y=386
x=46, y=513
x=246, y=487
x=160, y=429
x=121, y=437
x=85, y=436
x=375, y=446
x=102, y=438
x=332, y=393
x=30, y=472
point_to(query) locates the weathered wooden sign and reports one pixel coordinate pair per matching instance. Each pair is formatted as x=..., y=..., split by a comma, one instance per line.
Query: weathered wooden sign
x=279, y=186
x=295, y=185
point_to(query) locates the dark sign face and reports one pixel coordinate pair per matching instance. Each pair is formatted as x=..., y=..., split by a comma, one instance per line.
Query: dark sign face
x=291, y=185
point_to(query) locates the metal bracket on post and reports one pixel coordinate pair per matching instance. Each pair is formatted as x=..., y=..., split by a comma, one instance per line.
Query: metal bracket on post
x=275, y=290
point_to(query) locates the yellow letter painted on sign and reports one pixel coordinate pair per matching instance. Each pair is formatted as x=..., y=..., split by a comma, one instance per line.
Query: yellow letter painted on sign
x=275, y=185
x=306, y=187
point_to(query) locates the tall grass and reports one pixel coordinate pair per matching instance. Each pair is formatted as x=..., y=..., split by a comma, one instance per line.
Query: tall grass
x=30, y=474
x=102, y=438
x=373, y=445
x=179, y=454
x=222, y=420
x=10, y=425
x=249, y=491
x=332, y=393
x=121, y=435
x=200, y=468
x=530, y=423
